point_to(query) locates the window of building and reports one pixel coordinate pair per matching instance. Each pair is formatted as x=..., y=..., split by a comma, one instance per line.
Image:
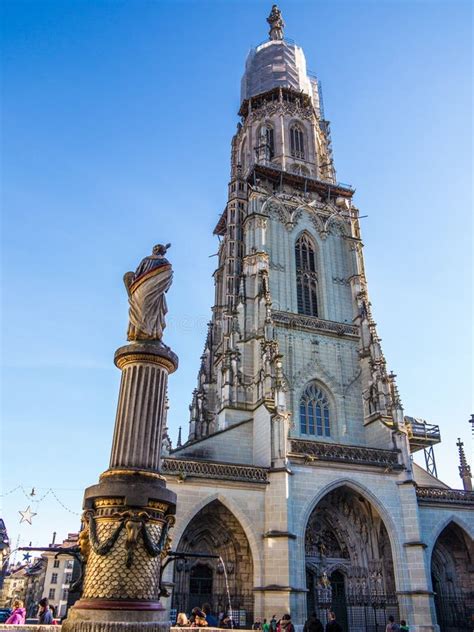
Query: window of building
x=54, y=578
x=67, y=578
x=299, y=169
x=315, y=416
x=56, y=564
x=266, y=143
x=52, y=593
x=65, y=591
x=306, y=276
x=297, y=141
x=69, y=564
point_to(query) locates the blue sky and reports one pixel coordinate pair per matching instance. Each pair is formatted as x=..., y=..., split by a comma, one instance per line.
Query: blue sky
x=117, y=121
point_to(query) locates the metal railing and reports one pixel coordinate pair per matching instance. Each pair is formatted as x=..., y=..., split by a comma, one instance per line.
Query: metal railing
x=420, y=429
x=277, y=167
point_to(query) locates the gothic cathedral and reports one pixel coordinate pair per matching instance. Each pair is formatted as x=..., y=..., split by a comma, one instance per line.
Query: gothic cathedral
x=297, y=469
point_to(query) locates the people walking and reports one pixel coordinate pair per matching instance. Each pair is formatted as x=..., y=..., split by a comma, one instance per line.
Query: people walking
x=257, y=624
x=44, y=613
x=265, y=626
x=53, y=614
x=313, y=624
x=273, y=623
x=285, y=624
x=404, y=627
x=391, y=625
x=332, y=625
x=18, y=614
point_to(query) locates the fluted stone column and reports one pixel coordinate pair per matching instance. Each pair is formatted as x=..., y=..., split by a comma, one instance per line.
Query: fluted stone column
x=128, y=514
x=137, y=437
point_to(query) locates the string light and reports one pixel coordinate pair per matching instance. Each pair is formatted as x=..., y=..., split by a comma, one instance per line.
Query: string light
x=29, y=495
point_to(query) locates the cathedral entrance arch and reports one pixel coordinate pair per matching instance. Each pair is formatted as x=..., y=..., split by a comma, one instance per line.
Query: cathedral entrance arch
x=453, y=579
x=349, y=563
x=214, y=530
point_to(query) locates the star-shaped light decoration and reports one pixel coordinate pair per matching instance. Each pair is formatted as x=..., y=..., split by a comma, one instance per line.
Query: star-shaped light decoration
x=26, y=558
x=27, y=515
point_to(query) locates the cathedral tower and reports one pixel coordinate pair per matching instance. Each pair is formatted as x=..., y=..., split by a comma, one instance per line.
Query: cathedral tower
x=291, y=329
x=297, y=468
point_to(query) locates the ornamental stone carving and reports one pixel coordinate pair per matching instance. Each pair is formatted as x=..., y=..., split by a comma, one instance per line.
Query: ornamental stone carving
x=286, y=214
x=125, y=550
x=213, y=470
x=312, y=450
x=280, y=108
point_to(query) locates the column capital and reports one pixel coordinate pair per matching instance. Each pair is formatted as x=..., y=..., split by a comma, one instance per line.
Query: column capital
x=148, y=352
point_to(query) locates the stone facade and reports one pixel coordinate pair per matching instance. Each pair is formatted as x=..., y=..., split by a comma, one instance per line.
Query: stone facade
x=297, y=469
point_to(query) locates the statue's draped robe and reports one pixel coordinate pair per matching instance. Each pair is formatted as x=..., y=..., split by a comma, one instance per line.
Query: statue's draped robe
x=147, y=299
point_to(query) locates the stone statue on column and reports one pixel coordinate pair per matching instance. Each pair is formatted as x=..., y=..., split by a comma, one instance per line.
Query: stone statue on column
x=146, y=289
x=129, y=513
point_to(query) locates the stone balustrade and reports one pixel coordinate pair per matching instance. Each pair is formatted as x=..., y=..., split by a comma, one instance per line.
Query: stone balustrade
x=318, y=451
x=185, y=468
x=444, y=496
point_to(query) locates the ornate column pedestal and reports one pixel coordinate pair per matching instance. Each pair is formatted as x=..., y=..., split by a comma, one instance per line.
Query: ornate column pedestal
x=128, y=514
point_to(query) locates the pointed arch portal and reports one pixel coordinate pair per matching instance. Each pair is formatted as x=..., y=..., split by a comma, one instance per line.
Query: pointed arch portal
x=452, y=576
x=214, y=530
x=349, y=563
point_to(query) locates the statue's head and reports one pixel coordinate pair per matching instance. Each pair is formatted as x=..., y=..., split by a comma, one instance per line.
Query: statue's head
x=160, y=249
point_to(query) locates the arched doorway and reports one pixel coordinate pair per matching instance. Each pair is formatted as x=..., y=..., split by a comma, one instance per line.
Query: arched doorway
x=338, y=590
x=215, y=531
x=200, y=585
x=453, y=579
x=349, y=564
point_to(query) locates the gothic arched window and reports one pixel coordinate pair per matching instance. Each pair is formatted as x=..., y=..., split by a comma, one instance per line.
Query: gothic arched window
x=306, y=277
x=314, y=412
x=266, y=142
x=297, y=141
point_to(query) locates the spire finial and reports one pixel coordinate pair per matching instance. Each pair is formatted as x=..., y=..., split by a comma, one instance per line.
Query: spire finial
x=464, y=468
x=276, y=23
x=179, y=438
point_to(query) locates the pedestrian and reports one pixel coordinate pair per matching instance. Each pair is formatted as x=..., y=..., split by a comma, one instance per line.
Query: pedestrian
x=18, y=614
x=182, y=621
x=404, y=627
x=285, y=624
x=210, y=618
x=225, y=622
x=53, y=614
x=273, y=623
x=265, y=626
x=258, y=624
x=391, y=625
x=198, y=618
x=313, y=624
x=44, y=613
x=332, y=625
